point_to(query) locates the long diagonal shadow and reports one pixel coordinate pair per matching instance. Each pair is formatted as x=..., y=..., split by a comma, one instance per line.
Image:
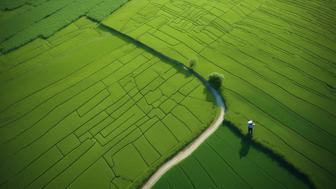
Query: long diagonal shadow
x=247, y=143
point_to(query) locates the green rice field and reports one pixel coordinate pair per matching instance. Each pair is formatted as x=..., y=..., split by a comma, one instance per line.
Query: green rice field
x=278, y=58
x=232, y=162
x=77, y=106
x=93, y=93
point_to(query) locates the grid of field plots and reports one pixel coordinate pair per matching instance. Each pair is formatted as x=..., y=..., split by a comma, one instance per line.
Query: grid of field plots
x=85, y=108
x=278, y=58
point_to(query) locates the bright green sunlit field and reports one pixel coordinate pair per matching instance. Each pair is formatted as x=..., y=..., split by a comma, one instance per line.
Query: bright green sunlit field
x=97, y=93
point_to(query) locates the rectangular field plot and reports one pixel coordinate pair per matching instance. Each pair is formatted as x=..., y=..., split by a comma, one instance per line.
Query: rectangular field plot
x=92, y=106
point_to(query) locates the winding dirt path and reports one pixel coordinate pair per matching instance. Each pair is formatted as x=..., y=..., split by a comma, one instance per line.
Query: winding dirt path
x=189, y=149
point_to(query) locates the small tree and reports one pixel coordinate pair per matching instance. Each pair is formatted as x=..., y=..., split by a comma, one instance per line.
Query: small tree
x=215, y=80
x=192, y=63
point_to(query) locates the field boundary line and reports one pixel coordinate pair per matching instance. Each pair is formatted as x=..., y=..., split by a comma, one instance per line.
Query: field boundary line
x=191, y=147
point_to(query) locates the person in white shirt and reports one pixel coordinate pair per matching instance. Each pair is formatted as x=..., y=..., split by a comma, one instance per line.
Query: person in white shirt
x=250, y=126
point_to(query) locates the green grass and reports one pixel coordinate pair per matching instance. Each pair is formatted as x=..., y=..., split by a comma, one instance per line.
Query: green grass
x=278, y=59
x=86, y=104
x=226, y=160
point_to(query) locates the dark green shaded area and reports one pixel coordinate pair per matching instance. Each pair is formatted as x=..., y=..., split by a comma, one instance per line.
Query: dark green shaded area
x=227, y=160
x=278, y=59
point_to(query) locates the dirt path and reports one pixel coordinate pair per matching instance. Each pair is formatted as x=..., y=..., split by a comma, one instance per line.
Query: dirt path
x=188, y=150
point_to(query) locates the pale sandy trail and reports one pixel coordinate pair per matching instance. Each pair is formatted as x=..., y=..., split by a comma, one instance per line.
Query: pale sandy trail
x=189, y=149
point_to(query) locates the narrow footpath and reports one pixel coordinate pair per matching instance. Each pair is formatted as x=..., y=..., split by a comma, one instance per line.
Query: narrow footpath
x=189, y=149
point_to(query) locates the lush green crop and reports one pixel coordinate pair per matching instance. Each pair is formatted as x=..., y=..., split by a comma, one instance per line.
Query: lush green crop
x=77, y=101
x=278, y=58
x=226, y=160
x=87, y=109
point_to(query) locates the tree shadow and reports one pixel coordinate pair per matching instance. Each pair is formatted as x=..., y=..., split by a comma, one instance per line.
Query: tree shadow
x=209, y=96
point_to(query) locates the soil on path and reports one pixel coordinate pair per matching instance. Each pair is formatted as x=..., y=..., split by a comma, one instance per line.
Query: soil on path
x=189, y=149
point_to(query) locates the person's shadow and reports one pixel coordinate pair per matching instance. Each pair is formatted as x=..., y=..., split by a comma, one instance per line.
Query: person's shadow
x=245, y=142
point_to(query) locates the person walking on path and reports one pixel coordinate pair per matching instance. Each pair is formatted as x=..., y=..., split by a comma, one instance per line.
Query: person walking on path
x=250, y=126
